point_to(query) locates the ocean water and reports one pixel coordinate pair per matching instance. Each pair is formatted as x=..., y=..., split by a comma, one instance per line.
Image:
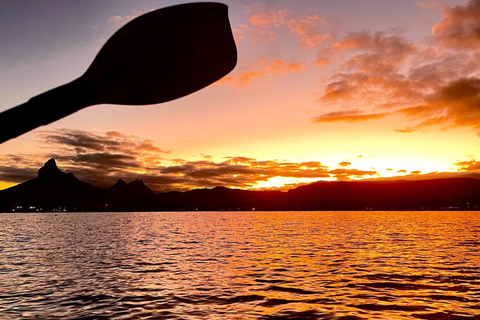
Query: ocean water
x=240, y=265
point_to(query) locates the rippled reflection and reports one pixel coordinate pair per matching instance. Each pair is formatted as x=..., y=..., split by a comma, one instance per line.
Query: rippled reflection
x=240, y=265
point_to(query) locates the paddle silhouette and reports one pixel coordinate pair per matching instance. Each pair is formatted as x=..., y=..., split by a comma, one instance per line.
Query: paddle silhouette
x=160, y=56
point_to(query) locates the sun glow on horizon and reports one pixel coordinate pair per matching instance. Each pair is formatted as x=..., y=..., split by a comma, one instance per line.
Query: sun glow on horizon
x=318, y=93
x=282, y=183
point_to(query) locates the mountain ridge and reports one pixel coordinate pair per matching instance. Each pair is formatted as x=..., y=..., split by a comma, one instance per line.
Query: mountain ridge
x=55, y=190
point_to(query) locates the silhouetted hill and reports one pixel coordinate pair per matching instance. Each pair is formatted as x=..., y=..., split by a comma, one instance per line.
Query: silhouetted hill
x=387, y=195
x=219, y=198
x=56, y=190
x=52, y=188
x=131, y=196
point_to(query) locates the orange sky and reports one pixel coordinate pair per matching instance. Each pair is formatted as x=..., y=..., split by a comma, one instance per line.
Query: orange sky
x=322, y=90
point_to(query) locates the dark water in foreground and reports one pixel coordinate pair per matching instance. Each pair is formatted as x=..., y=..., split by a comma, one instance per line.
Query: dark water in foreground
x=240, y=265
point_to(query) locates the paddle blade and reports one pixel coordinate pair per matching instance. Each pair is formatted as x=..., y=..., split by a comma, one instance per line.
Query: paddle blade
x=164, y=55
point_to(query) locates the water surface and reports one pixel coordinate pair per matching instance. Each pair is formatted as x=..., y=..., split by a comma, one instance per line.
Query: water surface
x=240, y=265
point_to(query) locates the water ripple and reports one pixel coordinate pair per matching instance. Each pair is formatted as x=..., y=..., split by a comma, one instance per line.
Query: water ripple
x=240, y=265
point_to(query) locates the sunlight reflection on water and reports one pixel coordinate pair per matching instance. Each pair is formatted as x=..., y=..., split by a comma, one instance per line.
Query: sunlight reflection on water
x=240, y=265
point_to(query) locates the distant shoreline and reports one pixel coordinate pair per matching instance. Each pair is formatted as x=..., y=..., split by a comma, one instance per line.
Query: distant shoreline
x=56, y=191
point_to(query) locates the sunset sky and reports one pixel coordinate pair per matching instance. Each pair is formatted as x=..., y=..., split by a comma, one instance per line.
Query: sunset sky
x=323, y=90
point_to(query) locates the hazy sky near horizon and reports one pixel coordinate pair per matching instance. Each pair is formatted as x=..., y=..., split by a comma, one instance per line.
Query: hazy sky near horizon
x=329, y=90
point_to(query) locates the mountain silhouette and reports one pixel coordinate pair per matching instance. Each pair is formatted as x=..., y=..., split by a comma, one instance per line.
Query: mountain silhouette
x=54, y=190
x=131, y=196
x=50, y=188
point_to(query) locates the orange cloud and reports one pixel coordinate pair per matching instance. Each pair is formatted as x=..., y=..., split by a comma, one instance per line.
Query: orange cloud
x=352, y=172
x=348, y=116
x=307, y=30
x=101, y=159
x=263, y=24
x=371, y=76
x=321, y=62
x=431, y=86
x=280, y=67
x=264, y=68
x=460, y=26
x=469, y=166
x=275, y=18
x=456, y=104
x=382, y=53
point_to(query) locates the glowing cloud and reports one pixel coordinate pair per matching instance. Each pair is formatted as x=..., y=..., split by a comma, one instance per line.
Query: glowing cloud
x=263, y=68
x=460, y=26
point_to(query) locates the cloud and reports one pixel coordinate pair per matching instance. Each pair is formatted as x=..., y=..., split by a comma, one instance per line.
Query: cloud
x=455, y=105
x=102, y=158
x=280, y=67
x=118, y=21
x=263, y=25
x=379, y=51
x=83, y=141
x=431, y=4
x=469, y=166
x=16, y=174
x=306, y=29
x=417, y=175
x=103, y=161
x=386, y=74
x=261, y=69
x=347, y=174
x=93, y=163
x=272, y=18
x=435, y=70
x=321, y=62
x=19, y=167
x=348, y=116
x=372, y=74
x=460, y=27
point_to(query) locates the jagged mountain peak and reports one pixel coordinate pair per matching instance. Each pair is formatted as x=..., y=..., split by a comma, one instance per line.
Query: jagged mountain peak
x=119, y=185
x=50, y=170
x=139, y=187
x=120, y=182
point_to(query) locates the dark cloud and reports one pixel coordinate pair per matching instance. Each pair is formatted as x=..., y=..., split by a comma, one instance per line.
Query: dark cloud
x=18, y=168
x=16, y=174
x=112, y=141
x=455, y=105
x=101, y=159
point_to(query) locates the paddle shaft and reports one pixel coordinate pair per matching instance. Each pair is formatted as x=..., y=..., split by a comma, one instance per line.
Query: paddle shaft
x=43, y=109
